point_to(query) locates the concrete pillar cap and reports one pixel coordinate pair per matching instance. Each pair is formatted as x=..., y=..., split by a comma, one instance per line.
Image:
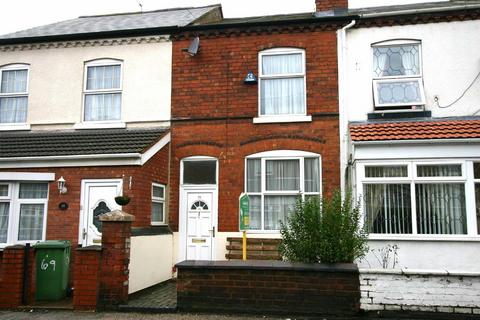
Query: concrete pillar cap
x=116, y=216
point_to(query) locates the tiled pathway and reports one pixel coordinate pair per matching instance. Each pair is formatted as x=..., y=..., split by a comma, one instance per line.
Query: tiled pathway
x=160, y=298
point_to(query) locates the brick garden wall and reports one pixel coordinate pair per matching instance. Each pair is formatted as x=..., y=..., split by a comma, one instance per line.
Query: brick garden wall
x=275, y=287
x=394, y=290
x=213, y=110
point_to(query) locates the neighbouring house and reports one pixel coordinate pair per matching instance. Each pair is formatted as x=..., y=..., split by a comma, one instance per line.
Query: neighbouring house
x=254, y=112
x=84, y=117
x=410, y=139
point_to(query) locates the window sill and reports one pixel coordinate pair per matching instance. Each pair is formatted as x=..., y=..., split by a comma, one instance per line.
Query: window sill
x=280, y=119
x=158, y=224
x=440, y=238
x=13, y=126
x=99, y=125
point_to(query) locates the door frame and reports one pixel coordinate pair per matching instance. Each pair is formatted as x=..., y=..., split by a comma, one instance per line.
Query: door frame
x=182, y=206
x=83, y=199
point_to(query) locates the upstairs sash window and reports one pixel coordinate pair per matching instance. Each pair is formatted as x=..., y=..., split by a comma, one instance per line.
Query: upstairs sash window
x=282, y=82
x=397, y=76
x=103, y=93
x=13, y=94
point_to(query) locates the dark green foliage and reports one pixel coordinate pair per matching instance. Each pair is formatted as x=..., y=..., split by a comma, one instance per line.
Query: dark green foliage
x=324, y=230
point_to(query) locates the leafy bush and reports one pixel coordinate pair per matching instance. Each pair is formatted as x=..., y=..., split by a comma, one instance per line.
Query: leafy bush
x=324, y=230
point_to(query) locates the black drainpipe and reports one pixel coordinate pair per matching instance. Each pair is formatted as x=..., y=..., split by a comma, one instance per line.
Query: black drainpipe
x=25, y=274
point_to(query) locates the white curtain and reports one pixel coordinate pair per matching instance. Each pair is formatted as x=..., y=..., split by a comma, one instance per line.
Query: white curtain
x=102, y=107
x=388, y=208
x=441, y=208
x=283, y=175
x=284, y=95
x=4, y=210
x=33, y=190
x=157, y=212
x=31, y=222
x=254, y=175
x=255, y=210
x=312, y=175
x=14, y=81
x=380, y=58
x=13, y=109
x=453, y=170
x=282, y=64
x=103, y=77
x=277, y=208
x=408, y=61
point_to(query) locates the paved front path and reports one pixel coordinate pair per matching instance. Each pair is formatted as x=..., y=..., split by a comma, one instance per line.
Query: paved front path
x=69, y=315
x=162, y=297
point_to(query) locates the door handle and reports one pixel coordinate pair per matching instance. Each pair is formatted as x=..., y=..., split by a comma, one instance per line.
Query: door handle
x=84, y=233
x=213, y=232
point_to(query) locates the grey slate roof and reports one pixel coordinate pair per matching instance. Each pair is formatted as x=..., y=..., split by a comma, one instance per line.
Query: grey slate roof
x=417, y=8
x=116, y=22
x=81, y=142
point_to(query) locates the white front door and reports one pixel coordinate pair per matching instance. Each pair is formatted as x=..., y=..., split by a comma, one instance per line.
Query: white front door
x=98, y=198
x=200, y=226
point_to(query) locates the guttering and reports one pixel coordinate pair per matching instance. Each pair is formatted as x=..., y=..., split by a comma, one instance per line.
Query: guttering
x=419, y=10
x=418, y=141
x=75, y=157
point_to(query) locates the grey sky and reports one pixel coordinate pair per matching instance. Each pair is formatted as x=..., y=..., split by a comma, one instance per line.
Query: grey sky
x=18, y=15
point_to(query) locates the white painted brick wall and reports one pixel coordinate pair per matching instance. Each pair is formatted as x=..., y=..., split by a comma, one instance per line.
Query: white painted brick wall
x=422, y=291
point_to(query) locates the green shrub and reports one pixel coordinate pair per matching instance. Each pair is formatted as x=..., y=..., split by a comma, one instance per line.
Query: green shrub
x=324, y=230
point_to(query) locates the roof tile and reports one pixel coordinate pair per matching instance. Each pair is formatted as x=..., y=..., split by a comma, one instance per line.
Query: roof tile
x=415, y=130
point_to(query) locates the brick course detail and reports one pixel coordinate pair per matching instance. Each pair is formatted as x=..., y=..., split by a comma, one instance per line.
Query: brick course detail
x=259, y=287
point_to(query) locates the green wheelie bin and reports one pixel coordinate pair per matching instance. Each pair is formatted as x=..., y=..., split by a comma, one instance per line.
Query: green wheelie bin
x=52, y=268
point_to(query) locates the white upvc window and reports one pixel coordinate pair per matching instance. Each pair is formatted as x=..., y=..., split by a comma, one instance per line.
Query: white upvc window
x=282, y=83
x=13, y=94
x=476, y=176
x=102, y=94
x=158, y=204
x=418, y=198
x=274, y=180
x=23, y=208
x=397, y=75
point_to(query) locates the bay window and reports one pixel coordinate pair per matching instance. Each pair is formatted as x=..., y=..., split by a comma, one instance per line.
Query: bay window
x=274, y=181
x=13, y=94
x=102, y=91
x=397, y=75
x=415, y=198
x=22, y=212
x=282, y=82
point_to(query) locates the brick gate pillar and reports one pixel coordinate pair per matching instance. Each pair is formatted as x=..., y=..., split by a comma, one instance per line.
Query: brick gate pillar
x=11, y=276
x=116, y=232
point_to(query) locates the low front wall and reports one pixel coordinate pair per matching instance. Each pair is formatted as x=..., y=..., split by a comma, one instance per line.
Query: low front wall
x=151, y=260
x=421, y=290
x=263, y=286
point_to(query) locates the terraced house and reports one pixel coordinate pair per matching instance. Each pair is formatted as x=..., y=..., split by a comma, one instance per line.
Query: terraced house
x=84, y=117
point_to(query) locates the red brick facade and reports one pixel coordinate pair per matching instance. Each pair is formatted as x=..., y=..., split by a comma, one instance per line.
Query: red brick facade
x=213, y=110
x=323, y=5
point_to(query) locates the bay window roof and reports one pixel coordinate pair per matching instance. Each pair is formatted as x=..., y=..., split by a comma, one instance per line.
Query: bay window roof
x=431, y=129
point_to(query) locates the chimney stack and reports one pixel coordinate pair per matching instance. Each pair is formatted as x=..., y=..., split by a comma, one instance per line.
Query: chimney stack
x=326, y=5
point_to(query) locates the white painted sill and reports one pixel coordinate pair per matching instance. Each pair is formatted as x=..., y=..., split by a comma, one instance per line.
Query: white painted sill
x=158, y=224
x=440, y=238
x=99, y=125
x=13, y=126
x=282, y=119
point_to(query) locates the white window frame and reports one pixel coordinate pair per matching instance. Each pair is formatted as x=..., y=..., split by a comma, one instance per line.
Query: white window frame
x=159, y=200
x=405, y=78
x=300, y=117
x=14, y=212
x=16, y=125
x=84, y=124
x=466, y=179
x=281, y=155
